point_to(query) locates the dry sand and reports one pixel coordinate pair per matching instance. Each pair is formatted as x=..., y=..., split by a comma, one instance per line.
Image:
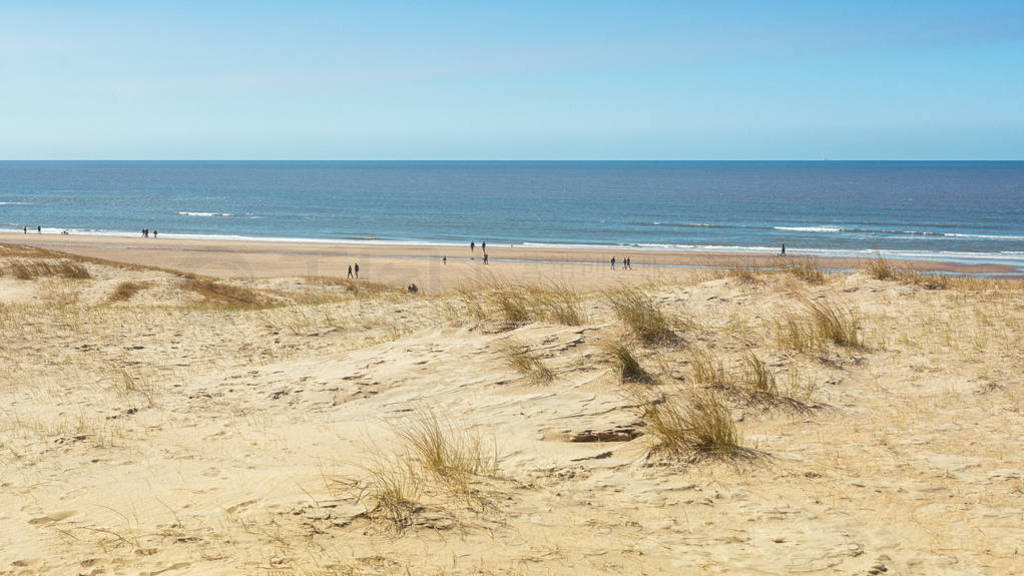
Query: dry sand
x=236, y=426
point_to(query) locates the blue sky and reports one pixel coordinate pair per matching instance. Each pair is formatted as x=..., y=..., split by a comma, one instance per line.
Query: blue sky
x=516, y=80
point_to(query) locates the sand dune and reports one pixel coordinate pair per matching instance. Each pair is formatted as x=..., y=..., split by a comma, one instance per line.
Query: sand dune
x=267, y=423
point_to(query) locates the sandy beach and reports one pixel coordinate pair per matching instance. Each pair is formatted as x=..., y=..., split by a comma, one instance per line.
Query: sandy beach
x=198, y=407
x=398, y=265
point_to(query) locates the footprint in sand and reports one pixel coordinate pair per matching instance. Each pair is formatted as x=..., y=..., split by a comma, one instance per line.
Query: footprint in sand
x=52, y=518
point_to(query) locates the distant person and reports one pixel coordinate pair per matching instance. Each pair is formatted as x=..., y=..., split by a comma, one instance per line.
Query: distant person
x=783, y=253
x=413, y=288
x=25, y=228
x=613, y=262
x=444, y=260
x=629, y=263
x=483, y=246
x=357, y=270
x=39, y=229
x=349, y=270
x=472, y=247
x=485, y=257
x=154, y=232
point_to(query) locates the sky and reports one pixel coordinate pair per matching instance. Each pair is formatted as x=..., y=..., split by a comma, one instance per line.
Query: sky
x=512, y=80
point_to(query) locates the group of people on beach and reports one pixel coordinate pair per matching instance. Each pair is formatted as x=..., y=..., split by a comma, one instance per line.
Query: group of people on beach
x=145, y=232
x=353, y=268
x=483, y=248
x=39, y=229
x=627, y=263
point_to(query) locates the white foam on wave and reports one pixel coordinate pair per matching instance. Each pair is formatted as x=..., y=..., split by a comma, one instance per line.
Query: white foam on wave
x=808, y=228
x=206, y=214
x=982, y=236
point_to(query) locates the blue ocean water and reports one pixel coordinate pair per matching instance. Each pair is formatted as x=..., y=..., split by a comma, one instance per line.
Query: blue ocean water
x=965, y=211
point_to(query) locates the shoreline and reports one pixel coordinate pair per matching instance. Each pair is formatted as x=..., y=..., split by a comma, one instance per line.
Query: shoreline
x=401, y=264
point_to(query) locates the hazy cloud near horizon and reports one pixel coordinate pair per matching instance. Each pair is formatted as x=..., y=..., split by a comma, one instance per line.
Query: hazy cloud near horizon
x=594, y=80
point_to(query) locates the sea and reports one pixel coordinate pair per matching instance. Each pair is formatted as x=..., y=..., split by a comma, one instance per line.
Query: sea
x=970, y=212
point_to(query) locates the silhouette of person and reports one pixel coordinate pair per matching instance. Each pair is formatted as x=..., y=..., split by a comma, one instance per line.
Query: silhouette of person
x=613, y=262
x=350, y=271
x=357, y=270
x=485, y=257
x=444, y=260
x=783, y=253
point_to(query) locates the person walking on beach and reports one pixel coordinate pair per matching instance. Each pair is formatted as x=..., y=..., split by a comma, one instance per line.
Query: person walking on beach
x=472, y=246
x=444, y=260
x=39, y=229
x=25, y=228
x=783, y=253
x=349, y=270
x=357, y=270
x=154, y=232
x=613, y=262
x=485, y=258
x=483, y=246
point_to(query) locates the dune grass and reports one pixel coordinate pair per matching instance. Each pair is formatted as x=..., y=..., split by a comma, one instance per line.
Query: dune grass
x=805, y=269
x=703, y=426
x=881, y=269
x=821, y=322
x=708, y=370
x=522, y=359
x=32, y=269
x=394, y=487
x=626, y=363
x=511, y=305
x=638, y=311
x=222, y=295
x=448, y=453
x=558, y=304
x=125, y=290
x=758, y=377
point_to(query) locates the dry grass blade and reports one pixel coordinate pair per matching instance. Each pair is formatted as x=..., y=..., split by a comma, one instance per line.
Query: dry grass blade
x=394, y=487
x=835, y=323
x=28, y=270
x=559, y=303
x=637, y=310
x=523, y=360
x=759, y=378
x=626, y=363
x=881, y=269
x=224, y=295
x=707, y=370
x=449, y=454
x=125, y=290
x=703, y=426
x=805, y=269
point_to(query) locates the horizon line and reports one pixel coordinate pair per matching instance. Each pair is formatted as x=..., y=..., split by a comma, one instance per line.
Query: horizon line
x=483, y=160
